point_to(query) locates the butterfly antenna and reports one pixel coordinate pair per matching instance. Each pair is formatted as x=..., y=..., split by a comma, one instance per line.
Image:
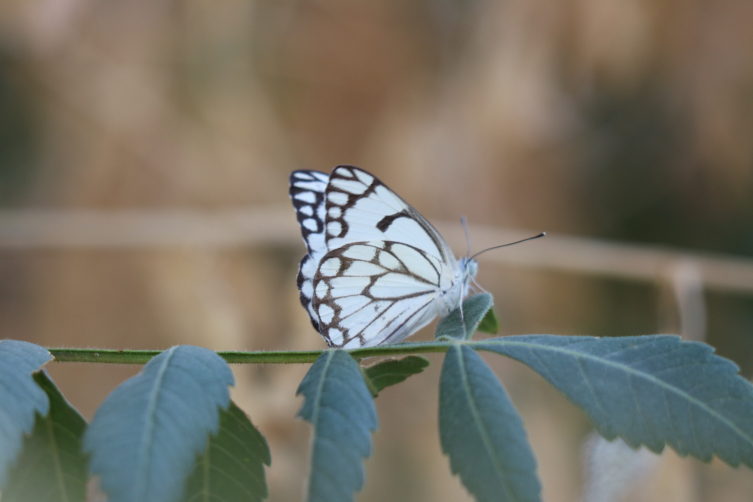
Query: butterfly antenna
x=464, y=222
x=542, y=234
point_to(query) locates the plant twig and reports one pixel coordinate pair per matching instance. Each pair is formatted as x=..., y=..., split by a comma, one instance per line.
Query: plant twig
x=109, y=356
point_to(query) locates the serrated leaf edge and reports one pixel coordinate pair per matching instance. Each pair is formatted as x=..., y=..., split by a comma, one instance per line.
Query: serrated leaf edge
x=479, y=422
x=628, y=370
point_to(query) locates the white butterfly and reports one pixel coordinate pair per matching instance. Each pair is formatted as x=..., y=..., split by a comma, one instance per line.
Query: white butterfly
x=376, y=271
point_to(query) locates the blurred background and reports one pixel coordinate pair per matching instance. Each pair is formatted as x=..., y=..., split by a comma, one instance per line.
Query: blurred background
x=145, y=148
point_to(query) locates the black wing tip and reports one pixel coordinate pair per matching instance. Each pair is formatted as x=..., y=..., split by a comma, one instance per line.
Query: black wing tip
x=315, y=324
x=308, y=175
x=349, y=168
x=352, y=170
x=294, y=176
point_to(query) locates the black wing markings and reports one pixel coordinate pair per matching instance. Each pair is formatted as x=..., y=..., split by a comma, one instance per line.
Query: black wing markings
x=307, y=191
x=321, y=209
x=385, y=222
x=341, y=201
x=323, y=298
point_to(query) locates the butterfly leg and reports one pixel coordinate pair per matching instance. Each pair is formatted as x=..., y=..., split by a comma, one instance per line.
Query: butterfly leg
x=473, y=280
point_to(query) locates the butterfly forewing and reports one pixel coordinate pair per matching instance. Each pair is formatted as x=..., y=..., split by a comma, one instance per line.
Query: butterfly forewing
x=307, y=191
x=361, y=208
x=367, y=293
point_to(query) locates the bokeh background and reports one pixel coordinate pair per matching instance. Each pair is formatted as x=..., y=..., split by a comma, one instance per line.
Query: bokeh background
x=627, y=122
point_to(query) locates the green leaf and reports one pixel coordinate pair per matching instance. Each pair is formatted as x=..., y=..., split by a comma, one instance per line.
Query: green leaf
x=649, y=390
x=146, y=435
x=20, y=397
x=52, y=466
x=489, y=324
x=232, y=466
x=482, y=433
x=393, y=371
x=341, y=410
x=459, y=325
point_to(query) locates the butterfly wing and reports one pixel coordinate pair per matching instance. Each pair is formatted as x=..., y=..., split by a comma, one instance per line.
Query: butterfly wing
x=361, y=208
x=376, y=270
x=307, y=191
x=368, y=293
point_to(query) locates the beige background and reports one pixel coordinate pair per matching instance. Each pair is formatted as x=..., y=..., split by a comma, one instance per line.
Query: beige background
x=629, y=121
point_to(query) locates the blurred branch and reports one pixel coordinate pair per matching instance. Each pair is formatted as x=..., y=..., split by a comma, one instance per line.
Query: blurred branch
x=147, y=228
x=687, y=285
x=607, y=259
x=275, y=226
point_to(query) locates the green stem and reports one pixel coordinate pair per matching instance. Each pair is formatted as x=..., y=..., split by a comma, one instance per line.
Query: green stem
x=262, y=357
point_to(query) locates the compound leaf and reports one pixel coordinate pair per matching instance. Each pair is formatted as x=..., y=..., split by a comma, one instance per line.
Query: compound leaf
x=20, y=397
x=482, y=433
x=460, y=325
x=231, y=469
x=489, y=324
x=649, y=390
x=393, y=371
x=52, y=466
x=340, y=408
x=146, y=435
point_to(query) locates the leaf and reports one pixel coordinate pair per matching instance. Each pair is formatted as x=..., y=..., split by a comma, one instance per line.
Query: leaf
x=651, y=390
x=482, y=433
x=489, y=324
x=461, y=326
x=52, y=466
x=231, y=467
x=20, y=397
x=146, y=435
x=341, y=410
x=393, y=371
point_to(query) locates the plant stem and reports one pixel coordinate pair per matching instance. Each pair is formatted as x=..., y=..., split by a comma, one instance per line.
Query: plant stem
x=233, y=357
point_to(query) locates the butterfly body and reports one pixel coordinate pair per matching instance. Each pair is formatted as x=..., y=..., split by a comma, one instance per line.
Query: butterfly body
x=376, y=271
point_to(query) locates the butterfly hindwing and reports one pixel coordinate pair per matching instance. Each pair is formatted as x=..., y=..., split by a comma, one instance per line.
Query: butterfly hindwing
x=307, y=191
x=367, y=293
x=361, y=208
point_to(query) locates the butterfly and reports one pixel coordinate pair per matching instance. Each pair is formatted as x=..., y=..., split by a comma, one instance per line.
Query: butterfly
x=376, y=271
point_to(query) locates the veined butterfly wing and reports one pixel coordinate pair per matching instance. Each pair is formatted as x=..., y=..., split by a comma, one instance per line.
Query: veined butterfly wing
x=361, y=208
x=307, y=190
x=376, y=270
x=368, y=293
